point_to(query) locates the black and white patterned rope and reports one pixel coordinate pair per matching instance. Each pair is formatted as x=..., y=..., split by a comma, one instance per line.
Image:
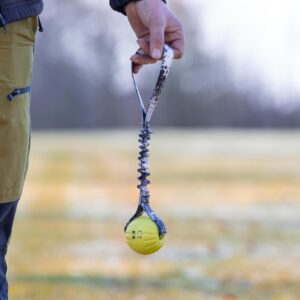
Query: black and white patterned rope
x=144, y=138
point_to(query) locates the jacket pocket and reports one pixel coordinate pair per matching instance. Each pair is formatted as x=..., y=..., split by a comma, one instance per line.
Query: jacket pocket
x=18, y=91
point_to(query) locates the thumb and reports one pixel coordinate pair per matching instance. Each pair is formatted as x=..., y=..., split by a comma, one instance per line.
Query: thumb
x=157, y=37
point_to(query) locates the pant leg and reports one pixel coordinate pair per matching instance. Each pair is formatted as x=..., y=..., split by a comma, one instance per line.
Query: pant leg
x=16, y=60
x=7, y=214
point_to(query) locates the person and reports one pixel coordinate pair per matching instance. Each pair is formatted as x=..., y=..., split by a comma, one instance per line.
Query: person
x=152, y=21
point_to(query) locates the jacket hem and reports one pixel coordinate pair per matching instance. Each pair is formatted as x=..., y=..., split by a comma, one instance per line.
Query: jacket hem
x=9, y=200
x=15, y=13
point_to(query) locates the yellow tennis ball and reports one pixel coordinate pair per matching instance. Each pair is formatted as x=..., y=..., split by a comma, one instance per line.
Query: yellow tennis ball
x=142, y=236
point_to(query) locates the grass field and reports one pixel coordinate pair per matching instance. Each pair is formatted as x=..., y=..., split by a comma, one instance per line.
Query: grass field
x=231, y=202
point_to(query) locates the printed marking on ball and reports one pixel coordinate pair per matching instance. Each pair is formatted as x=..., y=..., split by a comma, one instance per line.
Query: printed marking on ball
x=142, y=236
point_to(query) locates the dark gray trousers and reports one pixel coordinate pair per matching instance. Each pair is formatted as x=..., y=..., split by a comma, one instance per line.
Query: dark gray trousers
x=7, y=215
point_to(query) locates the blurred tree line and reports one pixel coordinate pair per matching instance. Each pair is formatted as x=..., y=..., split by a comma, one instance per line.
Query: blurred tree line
x=82, y=77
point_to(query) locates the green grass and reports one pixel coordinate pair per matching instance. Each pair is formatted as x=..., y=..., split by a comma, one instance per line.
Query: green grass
x=230, y=201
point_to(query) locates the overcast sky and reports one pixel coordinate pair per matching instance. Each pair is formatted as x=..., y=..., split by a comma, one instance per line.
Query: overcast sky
x=260, y=37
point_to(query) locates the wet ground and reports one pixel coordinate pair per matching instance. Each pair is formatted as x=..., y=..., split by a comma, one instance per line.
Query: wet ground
x=231, y=202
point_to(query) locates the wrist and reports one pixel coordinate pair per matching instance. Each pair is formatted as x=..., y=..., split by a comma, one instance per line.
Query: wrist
x=129, y=7
x=121, y=5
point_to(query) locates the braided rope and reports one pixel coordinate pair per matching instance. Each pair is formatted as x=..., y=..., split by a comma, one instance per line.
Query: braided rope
x=144, y=142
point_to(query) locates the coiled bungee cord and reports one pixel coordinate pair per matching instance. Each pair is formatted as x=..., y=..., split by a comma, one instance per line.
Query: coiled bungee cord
x=135, y=233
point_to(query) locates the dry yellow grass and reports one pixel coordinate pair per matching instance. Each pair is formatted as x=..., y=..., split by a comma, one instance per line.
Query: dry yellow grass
x=230, y=201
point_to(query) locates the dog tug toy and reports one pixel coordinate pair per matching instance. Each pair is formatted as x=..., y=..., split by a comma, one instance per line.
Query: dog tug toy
x=145, y=231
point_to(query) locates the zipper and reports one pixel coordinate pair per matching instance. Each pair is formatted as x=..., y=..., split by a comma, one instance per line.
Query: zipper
x=3, y=23
x=17, y=92
x=41, y=28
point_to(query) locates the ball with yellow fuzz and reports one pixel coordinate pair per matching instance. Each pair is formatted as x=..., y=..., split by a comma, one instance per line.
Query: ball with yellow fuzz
x=142, y=236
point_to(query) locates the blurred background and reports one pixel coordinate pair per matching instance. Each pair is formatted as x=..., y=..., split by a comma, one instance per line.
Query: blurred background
x=224, y=158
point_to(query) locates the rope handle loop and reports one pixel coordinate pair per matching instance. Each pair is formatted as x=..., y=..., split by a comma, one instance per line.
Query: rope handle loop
x=167, y=59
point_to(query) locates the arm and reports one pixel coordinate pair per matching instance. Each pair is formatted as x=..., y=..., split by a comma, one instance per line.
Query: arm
x=154, y=25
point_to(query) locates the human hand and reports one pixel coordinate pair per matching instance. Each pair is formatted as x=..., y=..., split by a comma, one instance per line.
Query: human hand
x=154, y=25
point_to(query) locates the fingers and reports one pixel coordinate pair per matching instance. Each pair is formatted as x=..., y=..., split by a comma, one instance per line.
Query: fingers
x=177, y=52
x=177, y=42
x=136, y=68
x=142, y=59
x=157, y=36
x=144, y=45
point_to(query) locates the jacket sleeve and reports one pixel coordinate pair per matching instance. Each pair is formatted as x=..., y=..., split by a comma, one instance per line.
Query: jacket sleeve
x=119, y=5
